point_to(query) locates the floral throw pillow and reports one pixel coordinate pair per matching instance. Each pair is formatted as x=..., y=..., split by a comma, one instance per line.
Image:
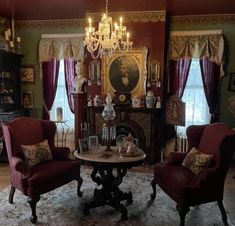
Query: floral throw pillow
x=196, y=160
x=37, y=153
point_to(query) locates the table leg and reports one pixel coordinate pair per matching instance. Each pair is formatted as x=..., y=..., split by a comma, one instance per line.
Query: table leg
x=109, y=194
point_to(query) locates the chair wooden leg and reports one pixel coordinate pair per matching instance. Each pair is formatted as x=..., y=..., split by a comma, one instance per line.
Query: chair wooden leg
x=182, y=210
x=223, y=212
x=79, y=193
x=11, y=195
x=32, y=202
x=153, y=196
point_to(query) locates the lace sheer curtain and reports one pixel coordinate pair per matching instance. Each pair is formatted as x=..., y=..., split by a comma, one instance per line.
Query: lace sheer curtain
x=197, y=110
x=61, y=100
x=60, y=47
x=202, y=84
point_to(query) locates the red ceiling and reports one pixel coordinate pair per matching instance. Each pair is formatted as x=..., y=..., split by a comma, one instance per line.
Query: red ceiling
x=75, y=9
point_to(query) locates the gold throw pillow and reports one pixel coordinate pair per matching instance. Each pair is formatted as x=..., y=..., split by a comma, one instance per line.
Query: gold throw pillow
x=196, y=160
x=37, y=153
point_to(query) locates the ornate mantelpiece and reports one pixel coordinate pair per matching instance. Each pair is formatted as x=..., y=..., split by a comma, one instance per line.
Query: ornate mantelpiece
x=142, y=123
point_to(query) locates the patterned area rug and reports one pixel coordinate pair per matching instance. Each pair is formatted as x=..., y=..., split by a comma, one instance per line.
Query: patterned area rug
x=62, y=207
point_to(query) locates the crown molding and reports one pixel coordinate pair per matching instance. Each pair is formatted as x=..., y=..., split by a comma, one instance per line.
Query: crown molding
x=134, y=16
x=130, y=17
x=50, y=24
x=204, y=19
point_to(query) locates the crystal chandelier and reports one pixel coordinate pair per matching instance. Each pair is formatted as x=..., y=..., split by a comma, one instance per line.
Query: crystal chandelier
x=108, y=38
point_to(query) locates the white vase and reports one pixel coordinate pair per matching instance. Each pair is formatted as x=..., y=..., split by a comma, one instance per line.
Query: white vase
x=150, y=99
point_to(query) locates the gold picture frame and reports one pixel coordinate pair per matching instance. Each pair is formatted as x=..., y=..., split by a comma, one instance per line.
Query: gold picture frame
x=27, y=73
x=125, y=72
x=27, y=99
x=155, y=70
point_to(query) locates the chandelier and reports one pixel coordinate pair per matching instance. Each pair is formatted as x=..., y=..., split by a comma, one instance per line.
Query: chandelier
x=108, y=38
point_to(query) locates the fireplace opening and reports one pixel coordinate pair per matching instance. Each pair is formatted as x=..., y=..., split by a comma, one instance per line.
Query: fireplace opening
x=123, y=129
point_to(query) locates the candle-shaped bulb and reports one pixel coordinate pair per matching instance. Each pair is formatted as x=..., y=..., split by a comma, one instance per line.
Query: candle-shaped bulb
x=89, y=20
x=121, y=20
x=116, y=26
x=127, y=36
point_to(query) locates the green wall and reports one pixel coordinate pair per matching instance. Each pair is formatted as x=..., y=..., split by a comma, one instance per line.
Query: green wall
x=229, y=62
x=30, y=38
x=30, y=35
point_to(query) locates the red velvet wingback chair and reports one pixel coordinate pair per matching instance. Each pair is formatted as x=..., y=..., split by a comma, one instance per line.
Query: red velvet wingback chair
x=45, y=176
x=188, y=189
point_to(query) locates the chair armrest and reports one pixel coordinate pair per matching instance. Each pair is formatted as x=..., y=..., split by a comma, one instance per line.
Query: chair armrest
x=19, y=165
x=60, y=153
x=176, y=158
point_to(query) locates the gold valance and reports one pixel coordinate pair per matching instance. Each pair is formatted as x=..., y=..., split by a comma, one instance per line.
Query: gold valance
x=61, y=47
x=197, y=44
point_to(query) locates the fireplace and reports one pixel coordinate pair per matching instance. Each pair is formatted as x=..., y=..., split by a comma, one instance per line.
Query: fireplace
x=142, y=123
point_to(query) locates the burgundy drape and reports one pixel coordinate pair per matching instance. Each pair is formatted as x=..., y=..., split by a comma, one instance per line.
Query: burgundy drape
x=179, y=71
x=210, y=78
x=69, y=65
x=50, y=72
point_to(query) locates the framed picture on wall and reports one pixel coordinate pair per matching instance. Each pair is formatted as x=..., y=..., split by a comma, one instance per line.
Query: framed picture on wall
x=95, y=71
x=231, y=86
x=125, y=72
x=27, y=73
x=155, y=70
x=27, y=99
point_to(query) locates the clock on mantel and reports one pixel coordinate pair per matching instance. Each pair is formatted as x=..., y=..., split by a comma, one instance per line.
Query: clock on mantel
x=123, y=98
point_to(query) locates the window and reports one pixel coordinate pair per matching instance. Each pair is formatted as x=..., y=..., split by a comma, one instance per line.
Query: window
x=62, y=101
x=197, y=111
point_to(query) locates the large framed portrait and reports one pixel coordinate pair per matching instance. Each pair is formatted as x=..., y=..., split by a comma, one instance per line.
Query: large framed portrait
x=125, y=72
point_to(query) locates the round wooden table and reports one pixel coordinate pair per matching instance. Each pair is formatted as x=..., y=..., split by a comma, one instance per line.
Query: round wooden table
x=104, y=163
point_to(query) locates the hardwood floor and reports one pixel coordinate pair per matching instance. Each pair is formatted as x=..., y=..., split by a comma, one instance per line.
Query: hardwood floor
x=229, y=189
x=4, y=176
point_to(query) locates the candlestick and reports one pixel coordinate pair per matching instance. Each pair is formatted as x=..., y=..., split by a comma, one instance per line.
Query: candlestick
x=18, y=39
x=11, y=44
x=9, y=31
x=6, y=35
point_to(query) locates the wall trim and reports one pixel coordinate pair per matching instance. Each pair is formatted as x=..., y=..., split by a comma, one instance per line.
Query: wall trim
x=134, y=16
x=129, y=17
x=204, y=19
x=48, y=24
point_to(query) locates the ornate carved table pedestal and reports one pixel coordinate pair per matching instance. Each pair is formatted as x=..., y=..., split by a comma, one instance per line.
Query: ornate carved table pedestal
x=104, y=163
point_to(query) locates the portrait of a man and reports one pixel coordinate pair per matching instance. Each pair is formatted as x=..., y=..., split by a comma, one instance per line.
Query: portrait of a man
x=124, y=74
